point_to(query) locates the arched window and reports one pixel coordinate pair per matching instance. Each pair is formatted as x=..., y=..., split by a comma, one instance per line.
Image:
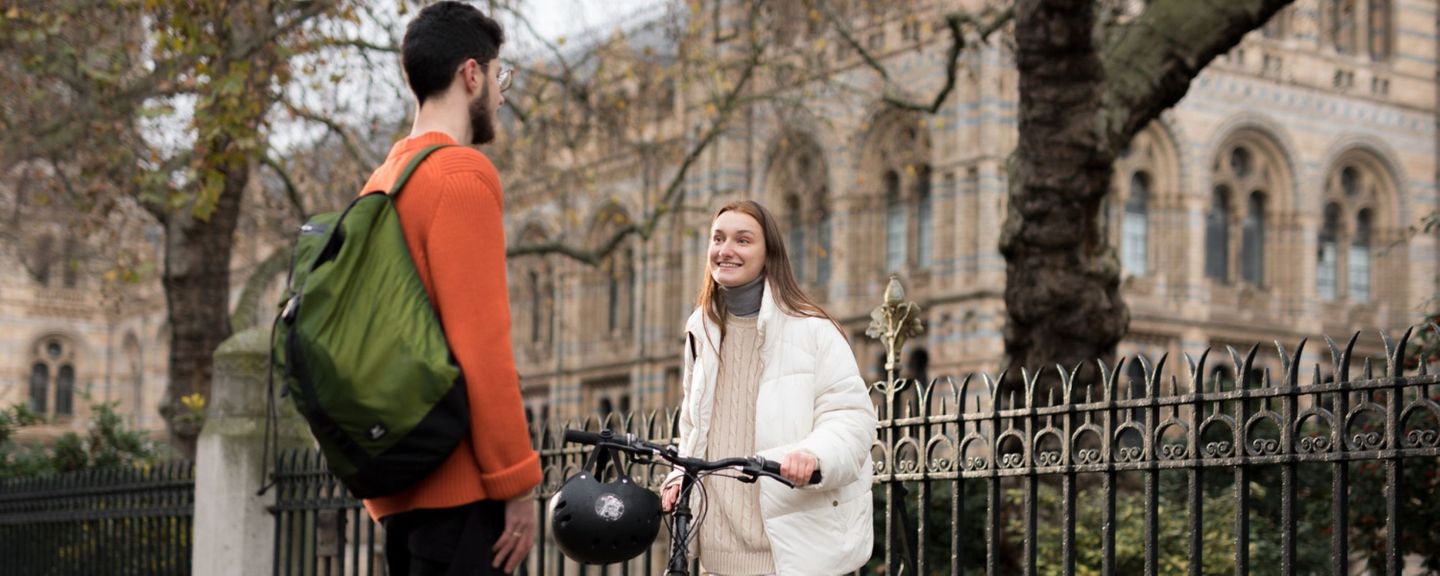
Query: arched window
x=52, y=377
x=1380, y=29
x=620, y=286
x=70, y=266
x=65, y=391
x=1145, y=185
x=822, y=249
x=536, y=301
x=1248, y=171
x=1217, y=235
x=534, y=293
x=895, y=231
x=1353, y=193
x=1240, y=162
x=924, y=218
x=1342, y=26
x=1136, y=228
x=627, y=323
x=42, y=259
x=1349, y=182
x=1252, y=246
x=40, y=388
x=898, y=150
x=796, y=186
x=1360, y=258
x=1326, y=274
x=610, y=287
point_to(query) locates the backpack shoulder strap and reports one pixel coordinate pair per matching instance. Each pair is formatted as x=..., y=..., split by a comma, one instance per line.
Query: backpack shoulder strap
x=410, y=169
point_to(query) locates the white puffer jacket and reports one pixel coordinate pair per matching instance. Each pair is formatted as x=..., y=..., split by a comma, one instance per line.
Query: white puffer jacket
x=811, y=398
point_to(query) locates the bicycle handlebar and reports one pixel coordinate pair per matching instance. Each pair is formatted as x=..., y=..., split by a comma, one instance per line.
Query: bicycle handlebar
x=752, y=468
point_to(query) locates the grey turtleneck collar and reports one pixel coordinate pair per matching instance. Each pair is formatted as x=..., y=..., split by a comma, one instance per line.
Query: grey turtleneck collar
x=744, y=300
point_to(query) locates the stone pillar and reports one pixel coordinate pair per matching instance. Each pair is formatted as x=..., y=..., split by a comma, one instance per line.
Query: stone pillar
x=234, y=530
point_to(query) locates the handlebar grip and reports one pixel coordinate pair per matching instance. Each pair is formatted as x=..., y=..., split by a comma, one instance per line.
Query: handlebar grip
x=773, y=467
x=581, y=437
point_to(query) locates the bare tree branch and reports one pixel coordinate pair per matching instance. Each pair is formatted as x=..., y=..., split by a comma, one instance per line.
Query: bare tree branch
x=352, y=144
x=848, y=36
x=360, y=44
x=955, y=22
x=734, y=100
x=549, y=45
x=291, y=192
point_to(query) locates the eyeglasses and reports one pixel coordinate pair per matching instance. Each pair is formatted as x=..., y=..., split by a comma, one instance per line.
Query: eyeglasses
x=505, y=78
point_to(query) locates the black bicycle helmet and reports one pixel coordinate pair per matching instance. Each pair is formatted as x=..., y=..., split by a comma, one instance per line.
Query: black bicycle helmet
x=598, y=522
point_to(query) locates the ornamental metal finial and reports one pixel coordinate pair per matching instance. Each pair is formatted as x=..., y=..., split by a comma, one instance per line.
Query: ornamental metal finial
x=894, y=322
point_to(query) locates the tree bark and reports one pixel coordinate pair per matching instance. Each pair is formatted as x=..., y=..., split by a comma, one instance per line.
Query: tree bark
x=197, y=296
x=1081, y=102
x=1062, y=279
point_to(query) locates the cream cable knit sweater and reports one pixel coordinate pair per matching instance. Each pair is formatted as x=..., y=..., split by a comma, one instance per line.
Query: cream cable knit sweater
x=733, y=540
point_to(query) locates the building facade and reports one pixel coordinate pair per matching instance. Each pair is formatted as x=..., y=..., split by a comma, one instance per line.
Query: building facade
x=1275, y=202
x=83, y=313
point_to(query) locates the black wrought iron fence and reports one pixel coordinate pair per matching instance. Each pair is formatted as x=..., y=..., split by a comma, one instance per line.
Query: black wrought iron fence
x=320, y=529
x=1160, y=470
x=133, y=521
x=1167, y=457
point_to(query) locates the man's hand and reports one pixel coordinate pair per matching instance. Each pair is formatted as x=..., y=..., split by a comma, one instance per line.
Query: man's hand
x=514, y=545
x=797, y=467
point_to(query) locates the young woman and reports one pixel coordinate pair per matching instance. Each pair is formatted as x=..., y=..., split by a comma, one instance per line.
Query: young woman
x=768, y=372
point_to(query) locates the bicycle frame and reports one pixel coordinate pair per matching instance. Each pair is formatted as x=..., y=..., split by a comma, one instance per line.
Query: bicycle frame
x=680, y=533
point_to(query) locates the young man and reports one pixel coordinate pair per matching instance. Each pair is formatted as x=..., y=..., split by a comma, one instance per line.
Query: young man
x=474, y=514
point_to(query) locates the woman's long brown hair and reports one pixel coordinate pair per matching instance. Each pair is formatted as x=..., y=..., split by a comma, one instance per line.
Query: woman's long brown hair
x=788, y=295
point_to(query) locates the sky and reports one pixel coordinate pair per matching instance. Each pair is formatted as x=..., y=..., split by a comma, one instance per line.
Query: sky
x=567, y=18
x=377, y=91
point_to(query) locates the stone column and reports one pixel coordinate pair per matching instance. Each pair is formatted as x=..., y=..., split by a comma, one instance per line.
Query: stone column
x=234, y=530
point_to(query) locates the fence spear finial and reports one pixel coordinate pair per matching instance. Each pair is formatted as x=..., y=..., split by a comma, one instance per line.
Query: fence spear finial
x=894, y=322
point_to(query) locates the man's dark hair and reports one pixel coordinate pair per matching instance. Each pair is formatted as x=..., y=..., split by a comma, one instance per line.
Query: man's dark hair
x=440, y=38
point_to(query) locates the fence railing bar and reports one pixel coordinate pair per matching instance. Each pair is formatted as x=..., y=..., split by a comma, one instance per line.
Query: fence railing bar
x=1394, y=489
x=1107, y=450
x=1151, y=444
x=1340, y=481
x=1032, y=505
x=958, y=535
x=1287, y=485
x=1067, y=544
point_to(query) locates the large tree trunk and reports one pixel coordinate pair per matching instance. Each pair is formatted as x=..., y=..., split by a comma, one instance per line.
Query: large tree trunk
x=1062, y=279
x=199, y=238
x=197, y=296
x=1082, y=98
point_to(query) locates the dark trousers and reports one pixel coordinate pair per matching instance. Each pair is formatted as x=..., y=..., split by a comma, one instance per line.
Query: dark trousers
x=445, y=542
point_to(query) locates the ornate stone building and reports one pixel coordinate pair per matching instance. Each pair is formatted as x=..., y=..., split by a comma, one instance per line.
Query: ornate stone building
x=1273, y=203
x=82, y=312
x=70, y=337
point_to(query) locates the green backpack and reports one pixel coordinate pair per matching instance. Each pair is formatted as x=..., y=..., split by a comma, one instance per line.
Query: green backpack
x=362, y=351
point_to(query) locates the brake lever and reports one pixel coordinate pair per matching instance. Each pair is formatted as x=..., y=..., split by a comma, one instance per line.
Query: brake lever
x=758, y=468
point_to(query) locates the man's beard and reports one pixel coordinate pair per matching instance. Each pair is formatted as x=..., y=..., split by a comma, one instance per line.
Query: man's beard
x=482, y=124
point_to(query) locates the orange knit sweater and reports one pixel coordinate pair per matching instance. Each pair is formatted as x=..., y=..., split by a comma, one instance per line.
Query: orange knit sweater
x=450, y=211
